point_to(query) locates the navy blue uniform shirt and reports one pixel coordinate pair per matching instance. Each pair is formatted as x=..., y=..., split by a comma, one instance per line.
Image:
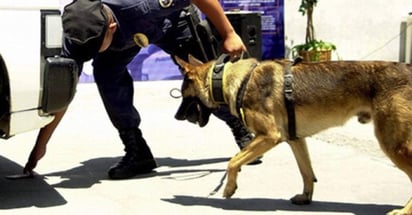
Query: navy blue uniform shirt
x=144, y=16
x=150, y=17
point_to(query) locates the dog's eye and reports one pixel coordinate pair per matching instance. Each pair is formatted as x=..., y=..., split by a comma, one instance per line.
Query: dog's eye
x=186, y=78
x=186, y=82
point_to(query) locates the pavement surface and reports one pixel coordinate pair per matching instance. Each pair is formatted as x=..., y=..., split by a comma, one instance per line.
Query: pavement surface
x=354, y=177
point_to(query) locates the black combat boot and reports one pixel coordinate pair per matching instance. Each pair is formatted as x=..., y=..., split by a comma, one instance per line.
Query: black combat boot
x=242, y=136
x=138, y=158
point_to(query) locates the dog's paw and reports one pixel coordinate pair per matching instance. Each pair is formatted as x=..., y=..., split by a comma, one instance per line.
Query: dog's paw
x=301, y=199
x=229, y=191
x=398, y=212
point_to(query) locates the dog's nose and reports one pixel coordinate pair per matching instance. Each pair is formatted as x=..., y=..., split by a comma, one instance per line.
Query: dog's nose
x=185, y=109
x=180, y=114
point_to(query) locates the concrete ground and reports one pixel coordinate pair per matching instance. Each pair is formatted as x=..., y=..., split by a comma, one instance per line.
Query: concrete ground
x=354, y=177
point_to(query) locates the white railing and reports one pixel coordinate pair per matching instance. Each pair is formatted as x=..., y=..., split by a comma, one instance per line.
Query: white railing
x=405, y=54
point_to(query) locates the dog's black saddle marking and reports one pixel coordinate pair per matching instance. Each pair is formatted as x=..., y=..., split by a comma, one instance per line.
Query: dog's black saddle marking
x=241, y=93
x=289, y=99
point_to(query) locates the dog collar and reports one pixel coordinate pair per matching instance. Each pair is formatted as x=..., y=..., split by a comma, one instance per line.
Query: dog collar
x=217, y=79
x=217, y=84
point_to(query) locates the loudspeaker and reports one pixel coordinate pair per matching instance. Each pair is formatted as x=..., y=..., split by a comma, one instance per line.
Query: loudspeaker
x=248, y=25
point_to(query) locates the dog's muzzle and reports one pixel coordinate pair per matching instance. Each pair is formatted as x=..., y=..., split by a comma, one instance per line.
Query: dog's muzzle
x=194, y=111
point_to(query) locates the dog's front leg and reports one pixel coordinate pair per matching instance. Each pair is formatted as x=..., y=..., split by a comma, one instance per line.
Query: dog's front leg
x=407, y=210
x=257, y=147
x=300, y=150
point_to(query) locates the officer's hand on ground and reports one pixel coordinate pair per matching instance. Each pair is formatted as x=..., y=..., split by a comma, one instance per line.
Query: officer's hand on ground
x=36, y=154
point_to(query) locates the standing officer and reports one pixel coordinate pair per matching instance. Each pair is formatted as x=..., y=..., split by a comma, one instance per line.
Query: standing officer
x=111, y=32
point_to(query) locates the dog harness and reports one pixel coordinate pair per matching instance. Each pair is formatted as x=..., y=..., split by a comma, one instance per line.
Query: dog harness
x=217, y=79
x=289, y=99
x=217, y=84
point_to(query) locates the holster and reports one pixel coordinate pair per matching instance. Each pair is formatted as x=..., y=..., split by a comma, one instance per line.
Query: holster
x=203, y=42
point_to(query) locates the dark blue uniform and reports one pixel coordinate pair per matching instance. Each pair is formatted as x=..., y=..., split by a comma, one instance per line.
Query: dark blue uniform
x=165, y=24
x=162, y=25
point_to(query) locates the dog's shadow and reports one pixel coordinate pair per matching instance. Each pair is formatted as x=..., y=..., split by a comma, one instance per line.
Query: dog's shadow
x=264, y=204
x=19, y=193
x=93, y=171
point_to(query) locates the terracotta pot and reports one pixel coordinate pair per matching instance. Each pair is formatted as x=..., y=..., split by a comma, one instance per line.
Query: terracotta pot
x=316, y=56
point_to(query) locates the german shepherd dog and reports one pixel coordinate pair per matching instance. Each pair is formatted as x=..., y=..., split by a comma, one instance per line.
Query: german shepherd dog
x=325, y=94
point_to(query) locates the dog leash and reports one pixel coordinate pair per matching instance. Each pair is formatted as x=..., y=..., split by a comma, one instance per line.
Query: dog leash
x=217, y=188
x=289, y=99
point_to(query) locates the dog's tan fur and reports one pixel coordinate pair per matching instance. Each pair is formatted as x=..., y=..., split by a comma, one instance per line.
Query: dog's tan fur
x=326, y=94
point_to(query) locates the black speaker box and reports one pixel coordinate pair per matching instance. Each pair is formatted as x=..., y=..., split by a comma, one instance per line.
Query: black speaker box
x=248, y=25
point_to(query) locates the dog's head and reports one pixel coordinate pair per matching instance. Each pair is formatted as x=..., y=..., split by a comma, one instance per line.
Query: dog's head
x=194, y=111
x=192, y=108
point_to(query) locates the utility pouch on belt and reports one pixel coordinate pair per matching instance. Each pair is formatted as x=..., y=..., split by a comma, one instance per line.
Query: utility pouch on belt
x=202, y=43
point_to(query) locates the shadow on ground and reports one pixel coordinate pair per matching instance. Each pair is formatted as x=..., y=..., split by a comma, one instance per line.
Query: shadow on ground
x=38, y=193
x=34, y=192
x=264, y=204
x=92, y=171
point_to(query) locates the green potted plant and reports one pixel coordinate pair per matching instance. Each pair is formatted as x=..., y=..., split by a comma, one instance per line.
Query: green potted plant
x=312, y=49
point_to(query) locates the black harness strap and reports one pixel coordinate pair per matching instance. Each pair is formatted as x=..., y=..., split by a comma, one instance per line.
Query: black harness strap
x=289, y=99
x=217, y=78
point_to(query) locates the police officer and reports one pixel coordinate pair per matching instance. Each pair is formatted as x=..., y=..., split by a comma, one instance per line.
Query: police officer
x=111, y=32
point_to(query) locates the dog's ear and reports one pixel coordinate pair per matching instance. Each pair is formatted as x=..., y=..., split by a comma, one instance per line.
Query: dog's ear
x=183, y=64
x=193, y=61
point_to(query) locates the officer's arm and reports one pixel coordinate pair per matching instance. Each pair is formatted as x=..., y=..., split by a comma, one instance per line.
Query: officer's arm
x=43, y=137
x=214, y=11
x=45, y=133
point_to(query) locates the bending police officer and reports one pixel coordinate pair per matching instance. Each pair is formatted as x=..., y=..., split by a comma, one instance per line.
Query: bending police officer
x=106, y=32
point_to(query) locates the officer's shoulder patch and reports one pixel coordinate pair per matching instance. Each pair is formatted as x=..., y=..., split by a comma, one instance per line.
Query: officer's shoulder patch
x=141, y=40
x=165, y=3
